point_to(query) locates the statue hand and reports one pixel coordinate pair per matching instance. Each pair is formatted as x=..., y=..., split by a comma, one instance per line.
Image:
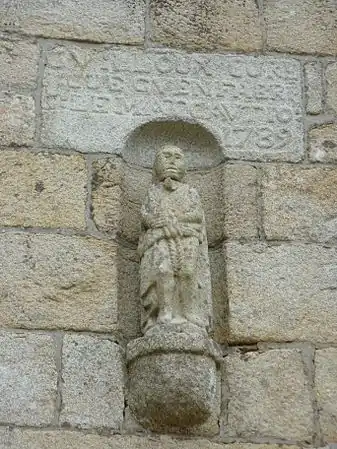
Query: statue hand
x=172, y=231
x=159, y=222
x=167, y=232
x=194, y=230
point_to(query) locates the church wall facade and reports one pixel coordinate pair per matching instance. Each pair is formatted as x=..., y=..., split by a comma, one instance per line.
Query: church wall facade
x=88, y=90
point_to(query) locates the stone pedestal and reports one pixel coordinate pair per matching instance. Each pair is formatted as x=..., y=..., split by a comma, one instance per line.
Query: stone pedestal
x=172, y=379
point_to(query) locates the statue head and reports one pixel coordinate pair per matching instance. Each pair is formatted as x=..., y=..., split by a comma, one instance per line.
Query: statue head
x=169, y=163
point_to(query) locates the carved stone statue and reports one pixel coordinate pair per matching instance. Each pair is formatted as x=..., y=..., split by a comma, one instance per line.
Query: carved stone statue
x=174, y=368
x=175, y=277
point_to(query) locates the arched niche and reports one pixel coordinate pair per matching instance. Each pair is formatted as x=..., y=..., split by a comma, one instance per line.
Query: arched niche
x=200, y=147
x=204, y=172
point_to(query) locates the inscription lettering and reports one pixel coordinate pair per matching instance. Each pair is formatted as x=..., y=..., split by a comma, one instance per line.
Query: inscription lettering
x=253, y=102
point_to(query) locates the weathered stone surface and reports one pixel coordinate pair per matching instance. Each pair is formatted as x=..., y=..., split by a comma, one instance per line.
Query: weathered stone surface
x=130, y=218
x=93, y=382
x=60, y=439
x=117, y=193
x=281, y=293
x=18, y=61
x=208, y=429
x=313, y=77
x=128, y=292
x=57, y=281
x=240, y=201
x=107, y=194
x=323, y=143
x=209, y=184
x=301, y=26
x=130, y=424
x=42, y=190
x=64, y=439
x=269, y=395
x=28, y=378
x=4, y=437
x=300, y=203
x=136, y=181
x=219, y=295
x=326, y=388
x=258, y=446
x=100, y=21
x=173, y=380
x=213, y=25
x=93, y=99
x=229, y=197
x=17, y=114
x=331, y=83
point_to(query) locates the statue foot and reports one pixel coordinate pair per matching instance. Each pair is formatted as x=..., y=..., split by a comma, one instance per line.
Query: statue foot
x=169, y=319
x=164, y=318
x=178, y=320
x=195, y=320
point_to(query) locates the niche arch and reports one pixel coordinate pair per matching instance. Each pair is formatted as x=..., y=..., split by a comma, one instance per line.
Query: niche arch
x=202, y=149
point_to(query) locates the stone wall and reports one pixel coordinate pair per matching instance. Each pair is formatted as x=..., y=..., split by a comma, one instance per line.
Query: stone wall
x=259, y=79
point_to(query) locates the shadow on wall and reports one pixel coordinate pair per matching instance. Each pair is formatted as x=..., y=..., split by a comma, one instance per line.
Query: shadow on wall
x=200, y=146
x=204, y=172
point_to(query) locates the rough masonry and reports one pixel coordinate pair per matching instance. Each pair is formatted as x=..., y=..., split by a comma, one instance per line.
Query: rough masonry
x=88, y=92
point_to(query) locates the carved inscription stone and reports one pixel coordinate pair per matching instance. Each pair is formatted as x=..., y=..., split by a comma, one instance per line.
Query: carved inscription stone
x=94, y=98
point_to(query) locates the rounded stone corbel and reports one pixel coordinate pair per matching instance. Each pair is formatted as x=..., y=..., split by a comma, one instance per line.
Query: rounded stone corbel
x=173, y=379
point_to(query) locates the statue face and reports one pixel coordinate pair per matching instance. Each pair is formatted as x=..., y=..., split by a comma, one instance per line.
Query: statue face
x=169, y=163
